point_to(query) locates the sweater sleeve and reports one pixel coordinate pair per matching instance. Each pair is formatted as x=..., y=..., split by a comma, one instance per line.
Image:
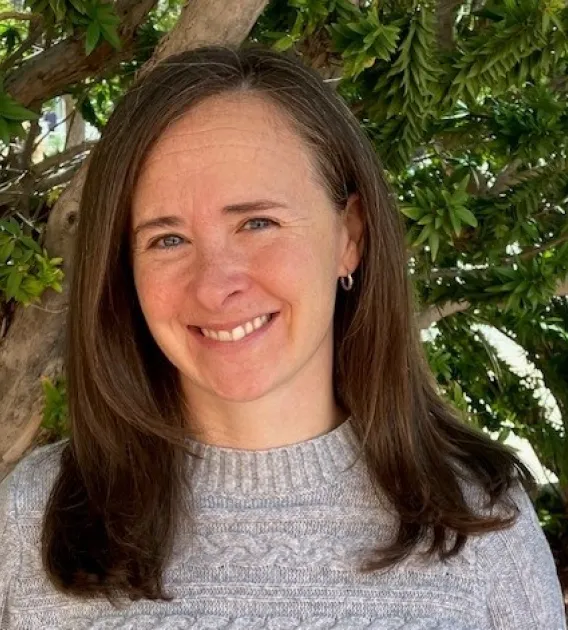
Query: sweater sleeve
x=516, y=564
x=9, y=543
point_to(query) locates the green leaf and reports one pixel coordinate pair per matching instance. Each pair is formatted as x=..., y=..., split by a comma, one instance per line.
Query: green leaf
x=465, y=215
x=512, y=303
x=434, y=242
x=31, y=244
x=11, y=226
x=506, y=272
x=521, y=287
x=504, y=433
x=59, y=9
x=17, y=253
x=12, y=110
x=4, y=131
x=14, y=280
x=426, y=231
x=6, y=250
x=11, y=37
x=92, y=38
x=110, y=33
x=456, y=223
x=32, y=286
x=412, y=212
x=428, y=218
x=356, y=27
x=283, y=44
x=79, y=6
x=28, y=253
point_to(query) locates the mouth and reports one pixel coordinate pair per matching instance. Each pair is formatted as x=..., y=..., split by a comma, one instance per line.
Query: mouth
x=239, y=333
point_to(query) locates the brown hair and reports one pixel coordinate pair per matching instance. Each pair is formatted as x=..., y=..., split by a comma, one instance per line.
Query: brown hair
x=111, y=519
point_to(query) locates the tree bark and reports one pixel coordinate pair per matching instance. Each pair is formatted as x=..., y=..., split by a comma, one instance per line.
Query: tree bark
x=204, y=22
x=445, y=17
x=76, y=125
x=33, y=347
x=34, y=343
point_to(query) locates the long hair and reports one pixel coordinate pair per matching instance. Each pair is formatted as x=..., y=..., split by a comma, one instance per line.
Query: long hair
x=111, y=519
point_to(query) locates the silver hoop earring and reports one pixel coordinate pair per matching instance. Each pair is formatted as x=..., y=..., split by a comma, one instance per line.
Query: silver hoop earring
x=347, y=282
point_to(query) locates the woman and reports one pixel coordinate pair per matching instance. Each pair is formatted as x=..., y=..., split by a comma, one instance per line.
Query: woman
x=252, y=446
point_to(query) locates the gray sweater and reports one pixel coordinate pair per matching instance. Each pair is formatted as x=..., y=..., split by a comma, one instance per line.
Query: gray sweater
x=278, y=539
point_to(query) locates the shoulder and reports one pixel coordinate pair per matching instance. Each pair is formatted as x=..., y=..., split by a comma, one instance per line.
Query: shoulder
x=28, y=486
x=23, y=496
x=516, y=566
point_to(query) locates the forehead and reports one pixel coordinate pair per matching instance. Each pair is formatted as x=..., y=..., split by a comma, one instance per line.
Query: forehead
x=240, y=126
x=224, y=151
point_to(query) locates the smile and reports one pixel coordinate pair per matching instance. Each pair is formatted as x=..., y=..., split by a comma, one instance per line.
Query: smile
x=238, y=333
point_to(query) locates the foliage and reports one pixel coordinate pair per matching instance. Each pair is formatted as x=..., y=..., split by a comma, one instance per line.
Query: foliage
x=11, y=116
x=98, y=19
x=55, y=410
x=434, y=209
x=26, y=270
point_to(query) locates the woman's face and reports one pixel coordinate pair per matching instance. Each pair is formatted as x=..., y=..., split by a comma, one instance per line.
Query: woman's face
x=230, y=228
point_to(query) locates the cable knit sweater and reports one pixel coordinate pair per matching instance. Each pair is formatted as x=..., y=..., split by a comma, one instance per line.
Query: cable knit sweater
x=279, y=535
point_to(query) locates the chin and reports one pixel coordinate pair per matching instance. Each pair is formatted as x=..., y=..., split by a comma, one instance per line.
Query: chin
x=239, y=393
x=234, y=388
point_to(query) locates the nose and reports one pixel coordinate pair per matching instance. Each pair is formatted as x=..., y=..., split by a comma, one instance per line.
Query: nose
x=219, y=277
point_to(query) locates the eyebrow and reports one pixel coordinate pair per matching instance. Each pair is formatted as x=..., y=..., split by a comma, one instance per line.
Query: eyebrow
x=235, y=208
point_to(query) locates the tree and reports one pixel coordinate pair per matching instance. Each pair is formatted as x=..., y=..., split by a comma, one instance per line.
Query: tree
x=466, y=104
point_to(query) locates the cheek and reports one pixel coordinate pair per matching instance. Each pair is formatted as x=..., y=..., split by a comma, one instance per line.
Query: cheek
x=302, y=267
x=159, y=291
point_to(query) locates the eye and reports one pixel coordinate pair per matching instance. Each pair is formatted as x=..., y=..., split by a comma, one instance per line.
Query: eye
x=258, y=224
x=170, y=241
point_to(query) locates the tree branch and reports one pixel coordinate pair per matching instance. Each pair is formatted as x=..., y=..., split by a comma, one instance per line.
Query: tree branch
x=445, y=16
x=18, y=15
x=436, y=312
x=506, y=177
x=531, y=252
x=527, y=254
x=56, y=161
x=16, y=194
x=205, y=22
x=48, y=74
x=59, y=178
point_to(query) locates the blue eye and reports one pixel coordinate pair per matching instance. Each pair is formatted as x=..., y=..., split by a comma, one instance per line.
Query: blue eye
x=259, y=223
x=165, y=242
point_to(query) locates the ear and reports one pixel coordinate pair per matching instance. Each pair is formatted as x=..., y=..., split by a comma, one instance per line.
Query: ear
x=351, y=241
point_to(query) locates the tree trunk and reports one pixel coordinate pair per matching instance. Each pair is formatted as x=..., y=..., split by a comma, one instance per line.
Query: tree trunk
x=33, y=345
x=75, y=125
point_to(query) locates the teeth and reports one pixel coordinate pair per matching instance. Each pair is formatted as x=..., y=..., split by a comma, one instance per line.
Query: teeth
x=237, y=333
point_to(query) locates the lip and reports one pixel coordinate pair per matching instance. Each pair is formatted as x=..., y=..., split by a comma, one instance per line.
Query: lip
x=227, y=345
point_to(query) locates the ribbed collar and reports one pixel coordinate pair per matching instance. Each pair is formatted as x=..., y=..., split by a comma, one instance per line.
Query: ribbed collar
x=277, y=471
